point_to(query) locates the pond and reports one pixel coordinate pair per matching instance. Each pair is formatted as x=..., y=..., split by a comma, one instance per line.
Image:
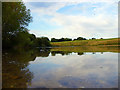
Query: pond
x=67, y=67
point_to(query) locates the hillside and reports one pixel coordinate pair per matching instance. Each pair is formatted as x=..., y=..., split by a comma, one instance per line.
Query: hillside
x=96, y=42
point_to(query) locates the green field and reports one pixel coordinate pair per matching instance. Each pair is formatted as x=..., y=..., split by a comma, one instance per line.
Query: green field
x=96, y=42
x=87, y=49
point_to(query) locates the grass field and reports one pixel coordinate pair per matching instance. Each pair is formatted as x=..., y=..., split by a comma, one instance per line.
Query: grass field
x=96, y=42
x=87, y=49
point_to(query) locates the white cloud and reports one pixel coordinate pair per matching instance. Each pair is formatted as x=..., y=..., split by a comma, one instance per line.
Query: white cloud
x=98, y=25
x=70, y=1
x=75, y=26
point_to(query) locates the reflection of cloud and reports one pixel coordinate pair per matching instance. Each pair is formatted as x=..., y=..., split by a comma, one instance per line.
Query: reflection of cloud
x=91, y=69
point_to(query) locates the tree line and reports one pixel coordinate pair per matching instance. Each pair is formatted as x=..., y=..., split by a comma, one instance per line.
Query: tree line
x=66, y=39
x=69, y=39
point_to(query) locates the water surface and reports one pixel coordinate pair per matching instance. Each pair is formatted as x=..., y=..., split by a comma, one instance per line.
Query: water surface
x=57, y=68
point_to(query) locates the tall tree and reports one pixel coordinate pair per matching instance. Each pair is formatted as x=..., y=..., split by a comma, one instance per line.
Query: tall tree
x=15, y=18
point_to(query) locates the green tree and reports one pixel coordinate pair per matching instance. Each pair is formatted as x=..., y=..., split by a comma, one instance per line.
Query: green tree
x=60, y=40
x=23, y=40
x=54, y=40
x=15, y=18
x=80, y=38
x=93, y=38
x=42, y=42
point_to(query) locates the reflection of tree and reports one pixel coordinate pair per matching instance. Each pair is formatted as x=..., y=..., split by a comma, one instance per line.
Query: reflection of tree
x=14, y=67
x=80, y=53
x=14, y=71
x=43, y=52
x=60, y=52
x=64, y=53
x=101, y=52
x=93, y=53
x=15, y=77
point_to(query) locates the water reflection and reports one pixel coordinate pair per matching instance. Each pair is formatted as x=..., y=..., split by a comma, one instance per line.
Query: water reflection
x=51, y=68
x=14, y=71
x=88, y=71
x=60, y=52
x=80, y=53
x=43, y=52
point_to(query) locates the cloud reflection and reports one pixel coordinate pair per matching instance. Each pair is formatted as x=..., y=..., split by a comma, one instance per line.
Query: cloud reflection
x=74, y=71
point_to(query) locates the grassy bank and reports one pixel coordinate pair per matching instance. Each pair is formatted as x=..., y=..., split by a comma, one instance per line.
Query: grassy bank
x=87, y=49
x=96, y=42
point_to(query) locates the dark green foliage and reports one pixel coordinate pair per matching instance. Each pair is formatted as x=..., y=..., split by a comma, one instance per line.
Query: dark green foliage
x=68, y=39
x=25, y=39
x=15, y=18
x=65, y=39
x=54, y=40
x=21, y=40
x=93, y=38
x=80, y=38
x=60, y=40
x=42, y=42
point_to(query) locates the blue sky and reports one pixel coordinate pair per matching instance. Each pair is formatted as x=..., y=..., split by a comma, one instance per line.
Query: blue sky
x=74, y=19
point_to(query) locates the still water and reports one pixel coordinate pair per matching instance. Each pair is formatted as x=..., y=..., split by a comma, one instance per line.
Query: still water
x=50, y=68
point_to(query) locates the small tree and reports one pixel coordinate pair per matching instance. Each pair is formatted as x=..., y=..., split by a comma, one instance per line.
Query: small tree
x=54, y=40
x=93, y=38
x=42, y=42
x=80, y=38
